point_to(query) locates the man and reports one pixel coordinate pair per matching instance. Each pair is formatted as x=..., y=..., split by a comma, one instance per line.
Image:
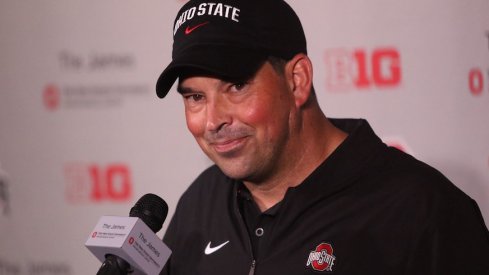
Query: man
x=294, y=192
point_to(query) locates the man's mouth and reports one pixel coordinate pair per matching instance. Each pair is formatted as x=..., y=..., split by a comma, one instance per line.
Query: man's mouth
x=228, y=146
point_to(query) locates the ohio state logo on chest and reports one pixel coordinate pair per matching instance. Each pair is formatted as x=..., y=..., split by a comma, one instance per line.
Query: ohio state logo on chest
x=322, y=258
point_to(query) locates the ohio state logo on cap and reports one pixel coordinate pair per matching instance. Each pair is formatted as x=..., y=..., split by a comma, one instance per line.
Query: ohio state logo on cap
x=321, y=259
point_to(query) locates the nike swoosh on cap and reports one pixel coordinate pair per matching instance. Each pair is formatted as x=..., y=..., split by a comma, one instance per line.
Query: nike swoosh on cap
x=209, y=250
x=189, y=29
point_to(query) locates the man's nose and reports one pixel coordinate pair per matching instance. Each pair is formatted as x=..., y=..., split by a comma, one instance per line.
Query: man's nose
x=218, y=114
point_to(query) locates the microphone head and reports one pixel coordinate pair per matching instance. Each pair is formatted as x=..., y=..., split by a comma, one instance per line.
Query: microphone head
x=152, y=210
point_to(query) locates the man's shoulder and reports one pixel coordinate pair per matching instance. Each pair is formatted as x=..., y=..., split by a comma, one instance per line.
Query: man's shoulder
x=211, y=181
x=411, y=168
x=411, y=176
x=208, y=194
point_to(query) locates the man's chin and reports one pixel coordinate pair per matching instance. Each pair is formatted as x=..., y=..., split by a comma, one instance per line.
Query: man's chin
x=236, y=172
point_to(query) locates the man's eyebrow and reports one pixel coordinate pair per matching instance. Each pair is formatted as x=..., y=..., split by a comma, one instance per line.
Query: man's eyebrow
x=188, y=90
x=185, y=90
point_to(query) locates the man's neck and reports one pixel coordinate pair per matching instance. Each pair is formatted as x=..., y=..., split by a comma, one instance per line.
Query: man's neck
x=318, y=146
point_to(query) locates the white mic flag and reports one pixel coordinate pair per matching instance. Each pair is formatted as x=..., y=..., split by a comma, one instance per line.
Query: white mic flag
x=130, y=239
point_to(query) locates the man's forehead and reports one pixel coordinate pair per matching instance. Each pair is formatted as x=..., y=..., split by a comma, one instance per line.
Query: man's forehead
x=197, y=83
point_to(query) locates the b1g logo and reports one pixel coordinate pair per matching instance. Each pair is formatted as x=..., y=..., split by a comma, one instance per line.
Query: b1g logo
x=51, y=97
x=322, y=258
x=399, y=143
x=476, y=81
x=362, y=69
x=98, y=183
x=476, y=78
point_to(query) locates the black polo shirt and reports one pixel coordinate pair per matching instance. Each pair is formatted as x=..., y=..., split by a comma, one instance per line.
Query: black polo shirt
x=367, y=209
x=258, y=223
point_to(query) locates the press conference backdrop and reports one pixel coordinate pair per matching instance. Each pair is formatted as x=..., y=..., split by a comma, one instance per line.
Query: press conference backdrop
x=82, y=133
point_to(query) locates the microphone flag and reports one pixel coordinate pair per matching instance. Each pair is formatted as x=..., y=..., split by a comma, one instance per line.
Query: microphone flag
x=130, y=239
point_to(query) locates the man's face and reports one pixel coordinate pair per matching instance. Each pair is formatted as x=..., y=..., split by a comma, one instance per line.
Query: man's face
x=243, y=127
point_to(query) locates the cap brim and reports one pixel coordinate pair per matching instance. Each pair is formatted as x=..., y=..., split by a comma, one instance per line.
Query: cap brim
x=219, y=61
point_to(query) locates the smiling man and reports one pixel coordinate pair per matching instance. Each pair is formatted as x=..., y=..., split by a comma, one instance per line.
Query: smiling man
x=255, y=130
x=292, y=191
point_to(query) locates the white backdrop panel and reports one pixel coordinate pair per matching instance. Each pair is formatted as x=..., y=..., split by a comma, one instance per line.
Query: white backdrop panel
x=82, y=133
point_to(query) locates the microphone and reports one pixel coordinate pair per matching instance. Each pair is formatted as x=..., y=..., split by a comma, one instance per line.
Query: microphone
x=129, y=245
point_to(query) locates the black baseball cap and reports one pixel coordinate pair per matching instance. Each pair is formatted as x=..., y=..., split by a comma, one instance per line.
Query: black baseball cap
x=231, y=39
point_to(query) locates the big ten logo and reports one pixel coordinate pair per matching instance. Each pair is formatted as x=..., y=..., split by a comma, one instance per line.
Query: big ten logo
x=362, y=69
x=476, y=81
x=98, y=183
x=51, y=97
x=398, y=143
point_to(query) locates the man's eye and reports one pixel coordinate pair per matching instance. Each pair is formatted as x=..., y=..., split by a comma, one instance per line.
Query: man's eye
x=194, y=97
x=238, y=86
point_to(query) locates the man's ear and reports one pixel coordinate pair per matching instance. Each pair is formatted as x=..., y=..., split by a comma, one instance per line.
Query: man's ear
x=299, y=76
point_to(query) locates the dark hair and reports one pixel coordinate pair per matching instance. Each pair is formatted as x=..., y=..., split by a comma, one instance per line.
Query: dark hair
x=278, y=64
